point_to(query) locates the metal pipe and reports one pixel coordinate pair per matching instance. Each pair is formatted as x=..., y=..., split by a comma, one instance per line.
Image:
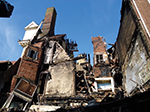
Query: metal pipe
x=141, y=18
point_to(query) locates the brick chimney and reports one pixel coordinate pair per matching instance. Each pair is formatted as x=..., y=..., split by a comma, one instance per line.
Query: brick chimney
x=98, y=44
x=49, y=22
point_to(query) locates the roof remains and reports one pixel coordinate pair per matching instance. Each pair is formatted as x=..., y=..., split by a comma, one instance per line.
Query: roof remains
x=31, y=25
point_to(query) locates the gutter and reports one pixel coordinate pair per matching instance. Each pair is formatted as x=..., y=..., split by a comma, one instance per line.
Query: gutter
x=141, y=18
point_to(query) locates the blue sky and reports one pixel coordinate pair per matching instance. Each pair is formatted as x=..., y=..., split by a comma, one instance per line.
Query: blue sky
x=79, y=19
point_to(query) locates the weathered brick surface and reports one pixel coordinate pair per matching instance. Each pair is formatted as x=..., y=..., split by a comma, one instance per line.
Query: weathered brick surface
x=126, y=31
x=133, y=44
x=100, y=69
x=98, y=44
x=144, y=9
x=13, y=84
x=103, y=71
x=49, y=22
x=130, y=20
x=28, y=67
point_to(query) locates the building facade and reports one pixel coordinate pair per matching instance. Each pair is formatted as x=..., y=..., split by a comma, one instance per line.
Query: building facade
x=133, y=45
x=101, y=65
x=45, y=65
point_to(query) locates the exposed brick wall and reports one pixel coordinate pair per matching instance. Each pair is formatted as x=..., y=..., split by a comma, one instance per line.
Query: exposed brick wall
x=144, y=8
x=102, y=71
x=28, y=67
x=126, y=31
x=130, y=21
x=133, y=44
x=13, y=83
x=99, y=47
x=98, y=44
x=49, y=22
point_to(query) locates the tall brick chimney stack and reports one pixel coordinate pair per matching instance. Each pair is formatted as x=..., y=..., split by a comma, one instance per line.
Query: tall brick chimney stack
x=99, y=45
x=99, y=48
x=49, y=22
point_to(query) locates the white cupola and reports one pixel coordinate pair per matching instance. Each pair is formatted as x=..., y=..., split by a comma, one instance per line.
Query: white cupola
x=30, y=31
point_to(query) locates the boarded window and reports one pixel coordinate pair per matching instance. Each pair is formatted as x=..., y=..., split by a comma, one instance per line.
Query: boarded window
x=26, y=87
x=32, y=54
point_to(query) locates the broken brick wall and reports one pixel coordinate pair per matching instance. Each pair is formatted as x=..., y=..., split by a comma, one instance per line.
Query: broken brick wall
x=101, y=71
x=126, y=31
x=98, y=44
x=99, y=48
x=100, y=61
x=133, y=47
x=29, y=68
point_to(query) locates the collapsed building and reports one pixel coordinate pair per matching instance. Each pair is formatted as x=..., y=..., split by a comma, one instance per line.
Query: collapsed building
x=101, y=68
x=47, y=73
x=48, y=77
x=132, y=45
x=128, y=60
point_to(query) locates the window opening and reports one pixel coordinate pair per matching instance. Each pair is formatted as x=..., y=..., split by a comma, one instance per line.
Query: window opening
x=99, y=58
x=17, y=103
x=32, y=54
x=104, y=84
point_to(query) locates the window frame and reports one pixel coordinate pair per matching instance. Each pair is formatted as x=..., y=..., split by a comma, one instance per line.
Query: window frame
x=99, y=58
x=111, y=87
x=32, y=54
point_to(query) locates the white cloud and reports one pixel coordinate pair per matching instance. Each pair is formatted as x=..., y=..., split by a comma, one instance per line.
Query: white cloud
x=9, y=48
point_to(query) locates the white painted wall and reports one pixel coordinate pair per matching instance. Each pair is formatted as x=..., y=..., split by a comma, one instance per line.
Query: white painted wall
x=29, y=34
x=30, y=31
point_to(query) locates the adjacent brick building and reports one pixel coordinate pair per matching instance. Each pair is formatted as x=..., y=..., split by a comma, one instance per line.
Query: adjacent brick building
x=100, y=60
x=133, y=44
x=41, y=48
x=101, y=65
x=30, y=64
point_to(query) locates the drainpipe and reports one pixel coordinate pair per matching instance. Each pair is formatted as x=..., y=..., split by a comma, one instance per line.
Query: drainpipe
x=141, y=18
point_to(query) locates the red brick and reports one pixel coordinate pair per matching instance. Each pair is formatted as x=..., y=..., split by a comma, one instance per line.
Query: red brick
x=98, y=44
x=29, y=68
